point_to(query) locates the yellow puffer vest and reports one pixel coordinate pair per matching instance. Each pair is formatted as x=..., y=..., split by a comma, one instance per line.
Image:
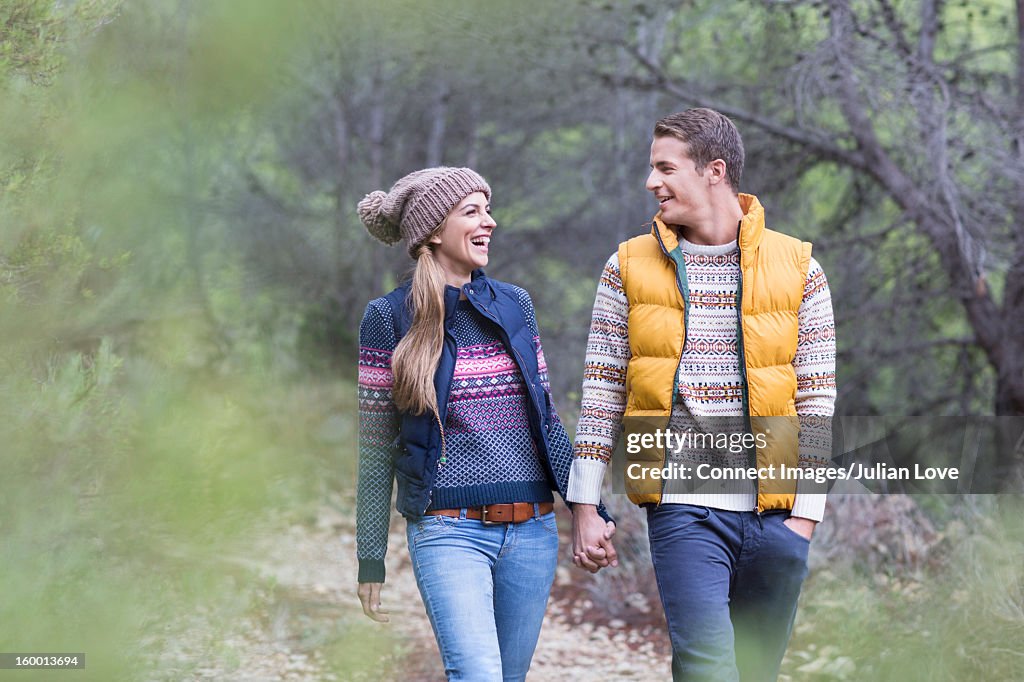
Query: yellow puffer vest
x=773, y=269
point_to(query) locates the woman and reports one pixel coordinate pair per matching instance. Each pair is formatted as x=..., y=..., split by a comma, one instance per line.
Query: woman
x=454, y=401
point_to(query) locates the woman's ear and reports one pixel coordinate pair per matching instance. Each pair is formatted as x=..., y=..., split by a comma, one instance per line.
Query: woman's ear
x=436, y=237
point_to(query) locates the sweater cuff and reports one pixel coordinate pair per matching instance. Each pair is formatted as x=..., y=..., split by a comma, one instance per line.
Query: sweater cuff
x=809, y=506
x=371, y=570
x=585, y=481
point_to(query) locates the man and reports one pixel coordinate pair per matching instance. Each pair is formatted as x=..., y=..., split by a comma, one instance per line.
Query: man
x=709, y=321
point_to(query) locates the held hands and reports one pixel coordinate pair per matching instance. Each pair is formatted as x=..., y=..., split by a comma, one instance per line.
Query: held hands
x=369, y=597
x=592, y=547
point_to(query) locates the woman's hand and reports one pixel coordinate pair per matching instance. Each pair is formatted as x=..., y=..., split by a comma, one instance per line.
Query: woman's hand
x=592, y=547
x=369, y=597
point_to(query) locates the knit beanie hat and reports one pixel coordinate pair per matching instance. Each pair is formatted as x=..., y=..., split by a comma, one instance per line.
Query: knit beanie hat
x=418, y=203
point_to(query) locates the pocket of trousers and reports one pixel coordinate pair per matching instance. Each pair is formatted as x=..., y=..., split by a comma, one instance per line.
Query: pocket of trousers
x=787, y=529
x=549, y=523
x=661, y=522
x=430, y=526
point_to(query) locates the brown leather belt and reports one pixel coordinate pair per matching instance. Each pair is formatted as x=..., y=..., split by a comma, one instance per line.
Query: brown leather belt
x=515, y=512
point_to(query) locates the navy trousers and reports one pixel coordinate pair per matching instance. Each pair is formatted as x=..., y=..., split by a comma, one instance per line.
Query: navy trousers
x=729, y=584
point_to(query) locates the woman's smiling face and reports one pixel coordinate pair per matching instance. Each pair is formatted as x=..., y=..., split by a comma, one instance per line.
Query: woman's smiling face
x=463, y=243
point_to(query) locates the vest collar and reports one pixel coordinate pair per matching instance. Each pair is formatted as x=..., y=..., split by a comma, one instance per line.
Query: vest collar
x=478, y=289
x=750, y=231
x=665, y=235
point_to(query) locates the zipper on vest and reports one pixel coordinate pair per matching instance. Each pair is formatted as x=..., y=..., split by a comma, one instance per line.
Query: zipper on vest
x=430, y=472
x=684, y=290
x=444, y=453
x=440, y=425
x=745, y=389
x=677, y=258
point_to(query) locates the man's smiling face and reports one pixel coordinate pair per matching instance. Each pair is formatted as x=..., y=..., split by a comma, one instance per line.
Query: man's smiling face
x=682, y=192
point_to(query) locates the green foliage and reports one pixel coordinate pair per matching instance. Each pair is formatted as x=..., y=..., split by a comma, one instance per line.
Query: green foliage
x=961, y=620
x=33, y=31
x=126, y=481
x=148, y=421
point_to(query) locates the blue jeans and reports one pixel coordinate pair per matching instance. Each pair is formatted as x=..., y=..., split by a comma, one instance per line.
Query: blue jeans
x=729, y=583
x=485, y=589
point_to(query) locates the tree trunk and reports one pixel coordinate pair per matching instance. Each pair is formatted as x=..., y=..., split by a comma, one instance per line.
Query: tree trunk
x=376, y=143
x=438, y=124
x=473, y=152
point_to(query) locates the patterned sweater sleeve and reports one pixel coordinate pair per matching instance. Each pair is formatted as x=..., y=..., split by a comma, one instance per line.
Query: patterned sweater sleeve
x=560, y=453
x=815, y=365
x=378, y=431
x=604, y=386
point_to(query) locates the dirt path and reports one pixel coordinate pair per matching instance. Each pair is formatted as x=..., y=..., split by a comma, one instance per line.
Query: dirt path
x=308, y=614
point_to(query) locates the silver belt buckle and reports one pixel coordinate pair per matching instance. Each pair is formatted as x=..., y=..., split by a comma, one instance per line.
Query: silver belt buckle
x=483, y=517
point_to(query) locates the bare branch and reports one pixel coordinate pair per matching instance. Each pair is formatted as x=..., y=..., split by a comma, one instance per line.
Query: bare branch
x=678, y=88
x=931, y=10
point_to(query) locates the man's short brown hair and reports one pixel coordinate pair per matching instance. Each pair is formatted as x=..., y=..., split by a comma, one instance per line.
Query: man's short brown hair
x=709, y=135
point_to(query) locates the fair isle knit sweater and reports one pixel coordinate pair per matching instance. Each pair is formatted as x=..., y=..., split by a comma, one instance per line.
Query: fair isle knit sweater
x=490, y=455
x=709, y=380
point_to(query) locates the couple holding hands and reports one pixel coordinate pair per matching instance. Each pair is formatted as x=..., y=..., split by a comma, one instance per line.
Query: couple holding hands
x=709, y=316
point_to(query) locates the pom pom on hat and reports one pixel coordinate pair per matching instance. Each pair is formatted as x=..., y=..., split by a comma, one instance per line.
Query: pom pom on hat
x=371, y=212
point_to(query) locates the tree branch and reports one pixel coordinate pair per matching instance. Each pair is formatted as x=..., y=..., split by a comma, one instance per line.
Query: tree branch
x=812, y=140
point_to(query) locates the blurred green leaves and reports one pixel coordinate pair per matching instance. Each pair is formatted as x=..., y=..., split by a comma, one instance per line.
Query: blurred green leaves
x=136, y=454
x=962, y=619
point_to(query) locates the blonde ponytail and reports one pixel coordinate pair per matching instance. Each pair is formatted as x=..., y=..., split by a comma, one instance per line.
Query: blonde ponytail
x=415, y=360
